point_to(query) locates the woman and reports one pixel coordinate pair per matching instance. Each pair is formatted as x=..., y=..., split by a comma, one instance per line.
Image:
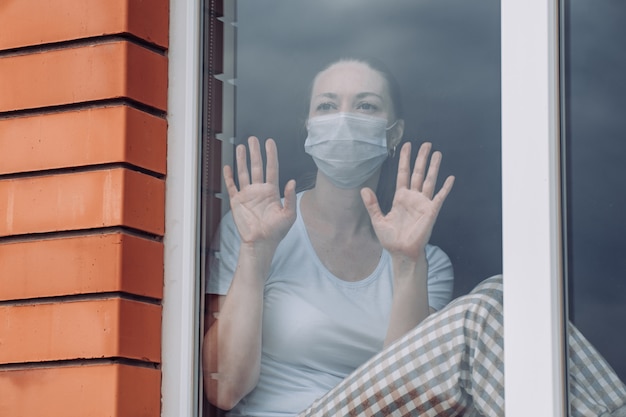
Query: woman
x=312, y=287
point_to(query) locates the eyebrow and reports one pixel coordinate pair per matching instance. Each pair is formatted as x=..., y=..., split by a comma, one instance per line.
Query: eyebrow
x=327, y=95
x=367, y=93
x=358, y=96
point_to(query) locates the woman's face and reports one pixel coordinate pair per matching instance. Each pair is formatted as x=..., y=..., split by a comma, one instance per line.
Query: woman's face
x=351, y=87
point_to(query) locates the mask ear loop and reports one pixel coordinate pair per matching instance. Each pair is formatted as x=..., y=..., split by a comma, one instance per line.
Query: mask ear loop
x=392, y=153
x=392, y=125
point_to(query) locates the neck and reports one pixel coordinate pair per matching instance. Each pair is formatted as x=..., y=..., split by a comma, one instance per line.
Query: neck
x=342, y=210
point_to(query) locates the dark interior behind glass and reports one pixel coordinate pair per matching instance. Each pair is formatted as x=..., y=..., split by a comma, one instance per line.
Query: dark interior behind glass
x=594, y=83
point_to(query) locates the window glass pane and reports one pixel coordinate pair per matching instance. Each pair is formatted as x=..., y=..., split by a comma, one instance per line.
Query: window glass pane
x=445, y=57
x=595, y=129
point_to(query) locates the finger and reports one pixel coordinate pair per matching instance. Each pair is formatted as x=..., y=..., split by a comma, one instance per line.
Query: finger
x=371, y=204
x=290, y=197
x=441, y=196
x=419, y=170
x=231, y=188
x=242, y=166
x=272, y=162
x=431, y=178
x=256, y=161
x=404, y=166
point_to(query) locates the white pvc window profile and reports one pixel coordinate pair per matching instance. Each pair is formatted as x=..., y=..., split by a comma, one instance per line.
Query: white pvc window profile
x=534, y=359
x=181, y=316
x=532, y=245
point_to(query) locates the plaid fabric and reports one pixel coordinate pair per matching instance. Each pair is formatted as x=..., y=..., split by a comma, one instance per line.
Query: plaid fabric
x=451, y=365
x=595, y=390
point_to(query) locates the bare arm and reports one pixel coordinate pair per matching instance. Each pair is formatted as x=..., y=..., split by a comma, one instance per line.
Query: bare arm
x=405, y=231
x=232, y=345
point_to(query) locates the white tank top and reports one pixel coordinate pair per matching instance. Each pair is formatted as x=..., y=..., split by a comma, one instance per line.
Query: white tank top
x=317, y=328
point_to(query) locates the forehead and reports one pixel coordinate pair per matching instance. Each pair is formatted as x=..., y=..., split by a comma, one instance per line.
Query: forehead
x=349, y=78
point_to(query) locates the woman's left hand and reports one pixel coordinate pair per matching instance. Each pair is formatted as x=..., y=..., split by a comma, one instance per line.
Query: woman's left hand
x=406, y=229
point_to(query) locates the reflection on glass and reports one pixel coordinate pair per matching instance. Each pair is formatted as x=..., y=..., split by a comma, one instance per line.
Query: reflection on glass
x=445, y=56
x=321, y=281
x=336, y=275
x=595, y=93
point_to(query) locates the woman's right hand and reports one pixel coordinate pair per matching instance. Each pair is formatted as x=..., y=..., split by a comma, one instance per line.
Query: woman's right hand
x=232, y=345
x=260, y=216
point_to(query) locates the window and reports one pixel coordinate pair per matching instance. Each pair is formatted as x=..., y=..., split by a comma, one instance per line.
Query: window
x=259, y=65
x=532, y=257
x=531, y=227
x=537, y=261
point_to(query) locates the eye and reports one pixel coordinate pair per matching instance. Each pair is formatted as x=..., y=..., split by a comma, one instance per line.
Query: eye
x=368, y=107
x=326, y=106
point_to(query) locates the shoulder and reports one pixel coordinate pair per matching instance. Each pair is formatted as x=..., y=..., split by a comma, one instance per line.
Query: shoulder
x=440, y=277
x=436, y=257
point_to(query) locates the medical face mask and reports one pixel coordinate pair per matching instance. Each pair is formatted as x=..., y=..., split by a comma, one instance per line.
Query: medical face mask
x=347, y=147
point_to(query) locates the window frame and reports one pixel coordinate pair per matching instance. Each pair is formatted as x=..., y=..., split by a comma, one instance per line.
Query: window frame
x=532, y=237
x=180, y=377
x=534, y=313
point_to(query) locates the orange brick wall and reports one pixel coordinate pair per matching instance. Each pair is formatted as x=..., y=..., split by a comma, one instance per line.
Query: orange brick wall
x=83, y=102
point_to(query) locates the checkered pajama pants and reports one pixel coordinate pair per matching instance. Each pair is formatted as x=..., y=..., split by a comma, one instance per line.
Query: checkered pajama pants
x=452, y=364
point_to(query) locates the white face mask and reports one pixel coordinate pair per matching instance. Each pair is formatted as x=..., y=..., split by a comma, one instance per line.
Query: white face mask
x=347, y=147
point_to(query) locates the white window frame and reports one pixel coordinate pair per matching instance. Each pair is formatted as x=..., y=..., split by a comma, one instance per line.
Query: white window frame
x=532, y=247
x=180, y=377
x=532, y=243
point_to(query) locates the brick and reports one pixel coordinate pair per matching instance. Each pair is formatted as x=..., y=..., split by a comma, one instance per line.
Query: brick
x=110, y=390
x=82, y=74
x=112, y=262
x=82, y=200
x=149, y=19
x=35, y=22
x=105, y=328
x=83, y=137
